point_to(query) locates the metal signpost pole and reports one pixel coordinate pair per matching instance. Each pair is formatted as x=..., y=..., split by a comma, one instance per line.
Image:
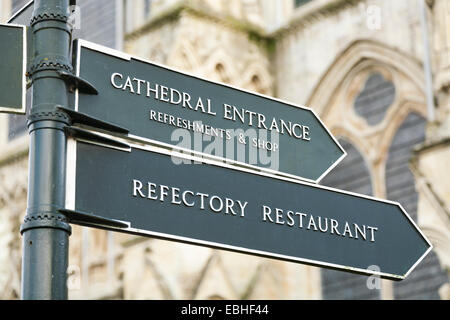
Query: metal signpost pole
x=45, y=231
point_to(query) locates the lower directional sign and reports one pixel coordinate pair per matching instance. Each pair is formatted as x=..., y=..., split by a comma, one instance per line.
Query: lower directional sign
x=13, y=55
x=154, y=194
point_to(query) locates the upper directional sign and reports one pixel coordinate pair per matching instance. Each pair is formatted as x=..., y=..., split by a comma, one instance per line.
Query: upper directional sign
x=13, y=55
x=180, y=111
x=23, y=15
x=146, y=193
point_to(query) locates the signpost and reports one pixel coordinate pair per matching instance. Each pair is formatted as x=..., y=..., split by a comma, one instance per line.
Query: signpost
x=221, y=207
x=13, y=68
x=248, y=129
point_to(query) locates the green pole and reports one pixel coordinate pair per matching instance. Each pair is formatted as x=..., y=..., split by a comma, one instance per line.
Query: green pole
x=45, y=231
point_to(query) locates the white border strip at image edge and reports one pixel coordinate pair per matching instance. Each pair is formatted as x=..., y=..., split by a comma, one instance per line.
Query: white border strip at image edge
x=18, y=12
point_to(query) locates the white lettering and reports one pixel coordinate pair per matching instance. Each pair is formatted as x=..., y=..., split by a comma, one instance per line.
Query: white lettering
x=113, y=76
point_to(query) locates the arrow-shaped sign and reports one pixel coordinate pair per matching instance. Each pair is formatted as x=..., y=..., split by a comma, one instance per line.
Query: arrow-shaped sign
x=162, y=106
x=150, y=193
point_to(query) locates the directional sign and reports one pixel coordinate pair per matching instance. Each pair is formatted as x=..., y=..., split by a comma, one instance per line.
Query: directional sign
x=166, y=107
x=13, y=56
x=154, y=194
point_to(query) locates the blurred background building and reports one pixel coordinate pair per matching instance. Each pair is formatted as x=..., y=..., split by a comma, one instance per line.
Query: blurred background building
x=362, y=65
